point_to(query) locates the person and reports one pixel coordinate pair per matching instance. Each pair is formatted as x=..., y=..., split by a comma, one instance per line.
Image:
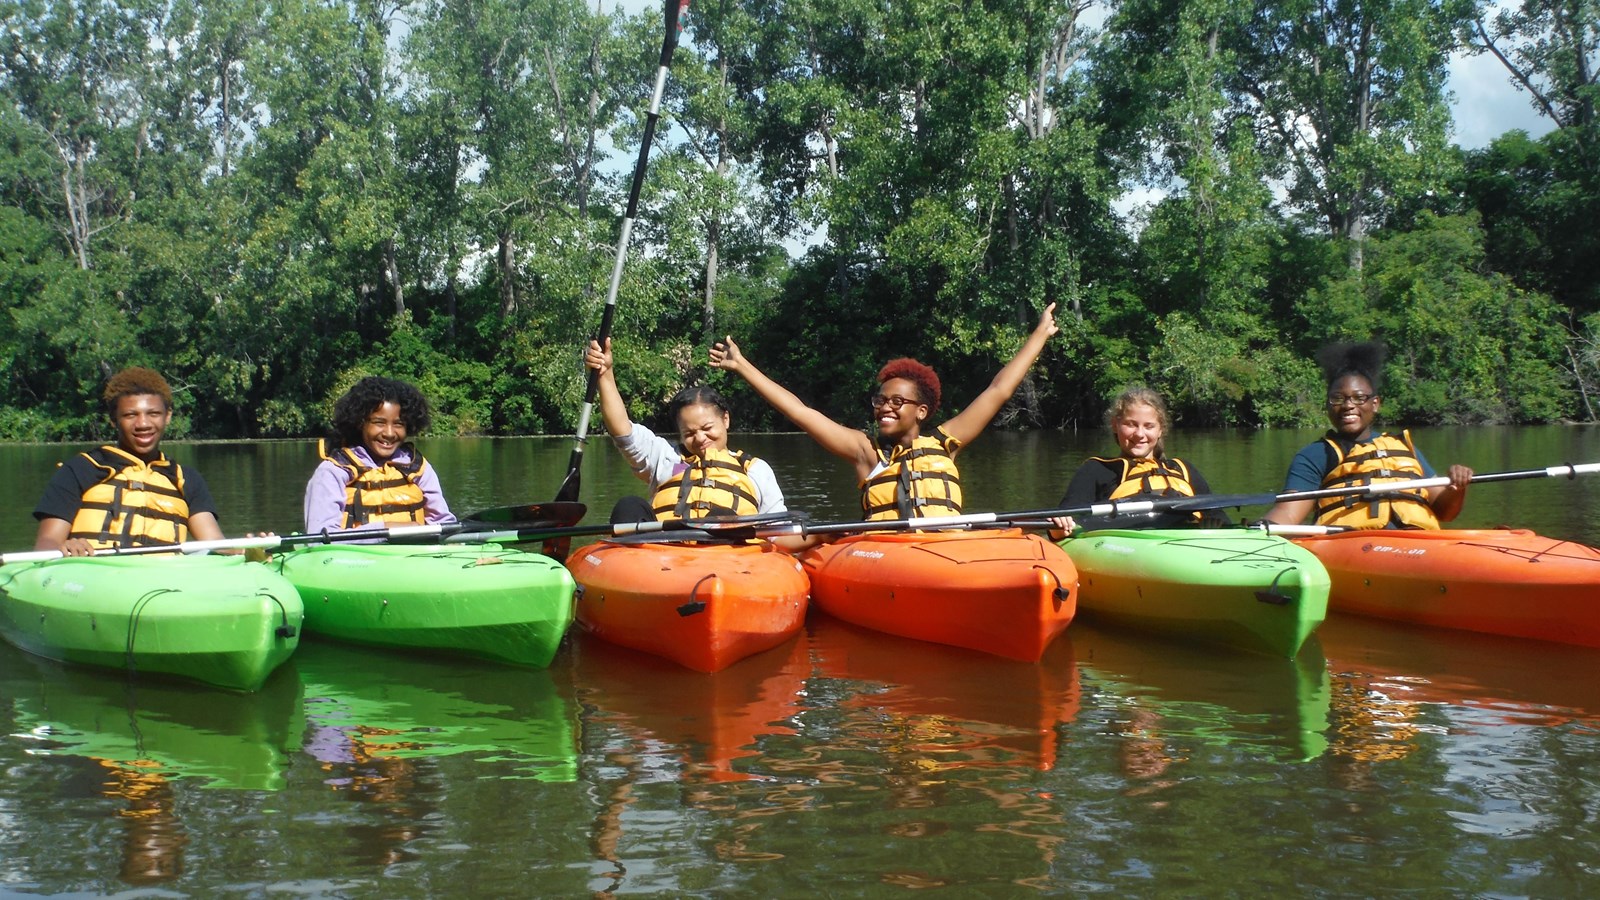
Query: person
x=1139, y=422
x=372, y=476
x=699, y=477
x=909, y=469
x=128, y=495
x=1354, y=452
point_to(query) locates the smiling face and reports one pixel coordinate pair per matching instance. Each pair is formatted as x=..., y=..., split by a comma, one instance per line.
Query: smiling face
x=904, y=420
x=702, y=427
x=1352, y=406
x=383, y=431
x=1138, y=431
x=141, y=420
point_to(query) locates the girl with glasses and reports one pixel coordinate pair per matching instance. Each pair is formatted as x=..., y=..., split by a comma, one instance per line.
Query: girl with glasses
x=908, y=469
x=1354, y=452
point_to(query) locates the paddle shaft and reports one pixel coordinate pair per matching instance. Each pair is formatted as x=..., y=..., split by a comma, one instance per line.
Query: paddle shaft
x=669, y=43
x=1384, y=487
x=262, y=542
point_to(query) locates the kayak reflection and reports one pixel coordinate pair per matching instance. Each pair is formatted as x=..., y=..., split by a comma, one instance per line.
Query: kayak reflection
x=1166, y=697
x=364, y=706
x=171, y=729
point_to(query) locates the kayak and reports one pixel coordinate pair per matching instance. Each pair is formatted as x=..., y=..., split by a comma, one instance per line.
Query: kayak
x=946, y=708
x=478, y=600
x=1508, y=582
x=1002, y=592
x=218, y=620
x=1242, y=589
x=167, y=729
x=704, y=606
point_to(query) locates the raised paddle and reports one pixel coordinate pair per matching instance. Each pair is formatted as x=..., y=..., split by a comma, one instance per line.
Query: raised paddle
x=669, y=42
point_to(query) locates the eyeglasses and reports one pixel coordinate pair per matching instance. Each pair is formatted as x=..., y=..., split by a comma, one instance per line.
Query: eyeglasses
x=1337, y=400
x=894, y=403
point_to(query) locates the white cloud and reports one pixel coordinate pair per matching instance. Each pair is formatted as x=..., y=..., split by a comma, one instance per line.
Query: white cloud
x=1487, y=104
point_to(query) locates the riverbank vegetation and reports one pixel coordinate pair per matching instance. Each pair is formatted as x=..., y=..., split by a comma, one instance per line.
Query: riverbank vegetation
x=267, y=200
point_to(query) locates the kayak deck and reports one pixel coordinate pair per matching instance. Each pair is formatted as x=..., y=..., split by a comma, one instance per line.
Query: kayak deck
x=1508, y=582
x=1231, y=587
x=704, y=606
x=218, y=620
x=1002, y=592
x=482, y=601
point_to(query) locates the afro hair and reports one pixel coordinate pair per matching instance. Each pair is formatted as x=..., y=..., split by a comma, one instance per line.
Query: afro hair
x=918, y=374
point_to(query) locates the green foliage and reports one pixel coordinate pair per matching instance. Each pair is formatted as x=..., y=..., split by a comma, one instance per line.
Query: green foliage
x=266, y=201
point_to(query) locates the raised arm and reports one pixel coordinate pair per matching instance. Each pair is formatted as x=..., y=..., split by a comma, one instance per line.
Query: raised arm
x=970, y=422
x=846, y=443
x=613, y=411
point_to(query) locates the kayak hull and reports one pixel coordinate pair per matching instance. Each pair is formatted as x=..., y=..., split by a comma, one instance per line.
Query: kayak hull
x=1507, y=582
x=1231, y=587
x=704, y=606
x=217, y=620
x=1001, y=592
x=481, y=601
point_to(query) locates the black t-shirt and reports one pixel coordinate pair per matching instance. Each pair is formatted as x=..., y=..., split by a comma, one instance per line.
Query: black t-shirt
x=1097, y=478
x=63, y=496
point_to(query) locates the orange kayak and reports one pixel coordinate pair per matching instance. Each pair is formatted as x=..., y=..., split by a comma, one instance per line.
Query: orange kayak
x=704, y=606
x=1002, y=592
x=1513, y=583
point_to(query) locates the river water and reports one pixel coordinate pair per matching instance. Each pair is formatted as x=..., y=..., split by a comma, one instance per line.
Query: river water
x=1383, y=760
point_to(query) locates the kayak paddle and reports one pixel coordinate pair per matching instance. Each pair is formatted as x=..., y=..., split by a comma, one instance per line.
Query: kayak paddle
x=669, y=42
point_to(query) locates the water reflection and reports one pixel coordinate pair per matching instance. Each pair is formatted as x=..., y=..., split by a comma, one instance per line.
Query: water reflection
x=1166, y=700
x=219, y=738
x=367, y=708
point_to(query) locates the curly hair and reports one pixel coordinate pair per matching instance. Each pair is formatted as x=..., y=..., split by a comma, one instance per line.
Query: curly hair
x=1364, y=359
x=132, y=381
x=918, y=374
x=1139, y=395
x=365, y=396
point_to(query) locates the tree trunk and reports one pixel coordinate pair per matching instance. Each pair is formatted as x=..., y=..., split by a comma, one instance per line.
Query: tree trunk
x=506, y=259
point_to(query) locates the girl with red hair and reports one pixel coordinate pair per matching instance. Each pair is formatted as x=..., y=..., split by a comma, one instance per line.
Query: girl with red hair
x=909, y=469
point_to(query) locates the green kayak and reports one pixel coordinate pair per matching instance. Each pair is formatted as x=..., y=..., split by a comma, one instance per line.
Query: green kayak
x=218, y=620
x=478, y=600
x=1231, y=586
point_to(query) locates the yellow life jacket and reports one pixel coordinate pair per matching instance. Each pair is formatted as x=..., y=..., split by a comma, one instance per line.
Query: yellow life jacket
x=386, y=493
x=915, y=482
x=1374, y=461
x=716, y=484
x=1152, y=477
x=136, y=504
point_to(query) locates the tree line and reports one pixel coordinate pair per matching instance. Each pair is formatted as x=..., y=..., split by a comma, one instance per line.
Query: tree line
x=268, y=200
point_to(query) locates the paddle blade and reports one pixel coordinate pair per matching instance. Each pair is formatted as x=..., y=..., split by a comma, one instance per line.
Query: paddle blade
x=568, y=492
x=558, y=513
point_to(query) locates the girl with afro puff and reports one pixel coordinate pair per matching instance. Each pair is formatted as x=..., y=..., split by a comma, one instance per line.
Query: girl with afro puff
x=127, y=495
x=908, y=470
x=1354, y=452
x=371, y=475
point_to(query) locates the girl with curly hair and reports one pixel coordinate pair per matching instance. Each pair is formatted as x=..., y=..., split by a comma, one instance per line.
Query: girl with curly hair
x=908, y=469
x=1354, y=452
x=370, y=474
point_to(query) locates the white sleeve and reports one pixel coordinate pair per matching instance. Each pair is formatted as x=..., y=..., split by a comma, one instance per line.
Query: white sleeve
x=766, y=487
x=652, y=457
